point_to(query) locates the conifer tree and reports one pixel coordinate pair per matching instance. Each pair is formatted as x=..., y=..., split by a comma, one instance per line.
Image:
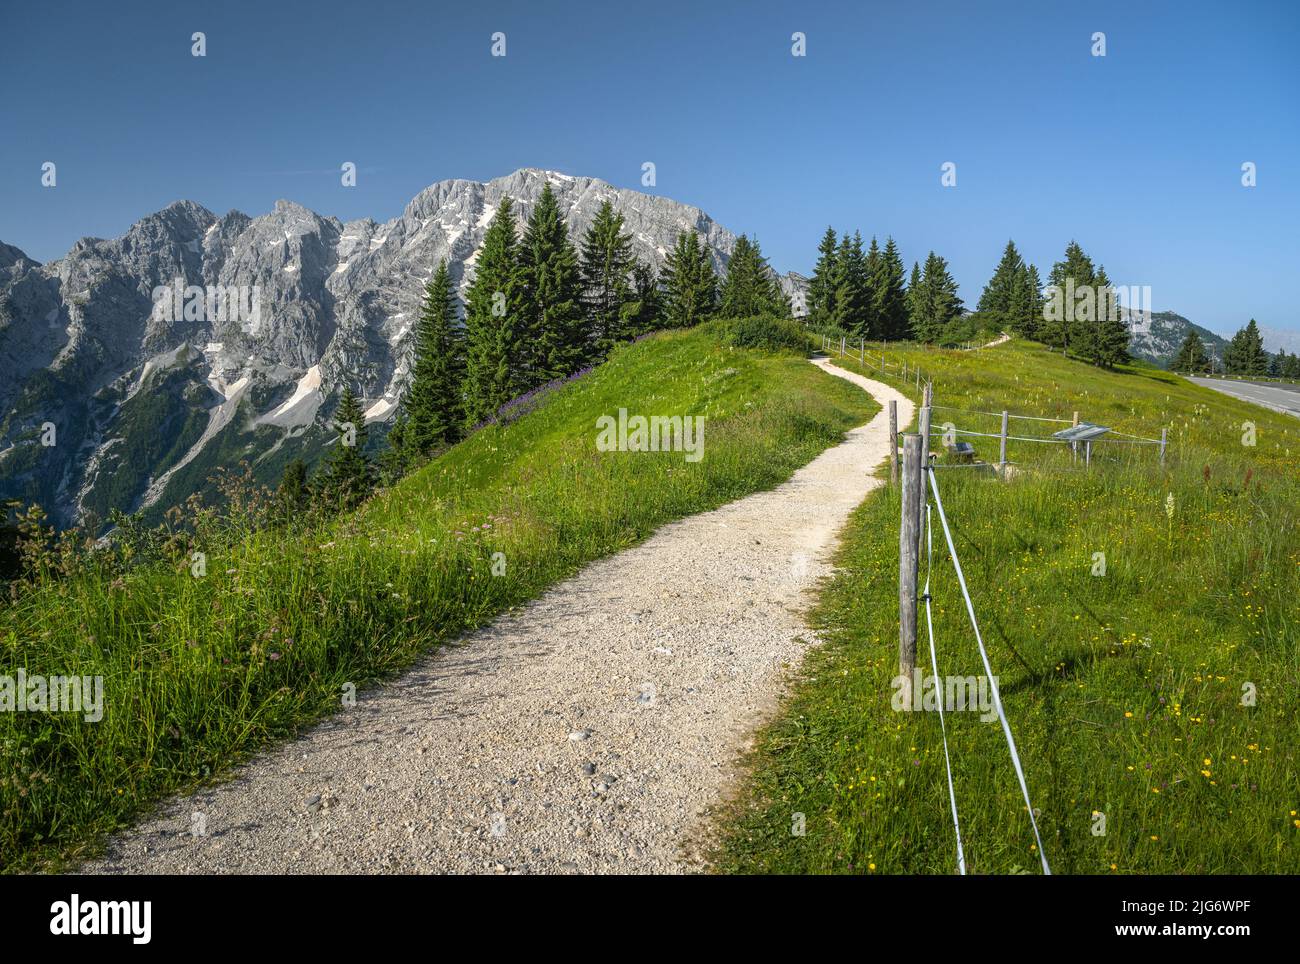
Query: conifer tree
x=606, y=269
x=852, y=297
x=915, y=303
x=870, y=272
x=889, y=294
x=1028, y=322
x=1191, y=355
x=933, y=300
x=494, y=322
x=821, y=289
x=689, y=283
x=1004, y=292
x=642, y=312
x=750, y=288
x=292, y=493
x=1245, y=353
x=434, y=409
x=556, y=343
x=1068, y=322
x=347, y=479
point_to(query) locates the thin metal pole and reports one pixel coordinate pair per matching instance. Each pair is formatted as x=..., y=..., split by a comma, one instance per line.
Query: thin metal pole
x=923, y=425
x=1002, y=448
x=908, y=535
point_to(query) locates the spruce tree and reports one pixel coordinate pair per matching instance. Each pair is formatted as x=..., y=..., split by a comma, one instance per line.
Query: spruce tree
x=890, y=294
x=750, y=289
x=347, y=479
x=434, y=409
x=689, y=283
x=852, y=297
x=1245, y=353
x=871, y=271
x=1191, y=355
x=915, y=303
x=1029, y=323
x=556, y=343
x=606, y=268
x=291, y=495
x=821, y=289
x=1068, y=324
x=494, y=322
x=933, y=300
x=642, y=313
x=1004, y=293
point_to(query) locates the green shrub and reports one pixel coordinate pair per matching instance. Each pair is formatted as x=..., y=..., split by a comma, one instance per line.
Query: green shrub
x=762, y=332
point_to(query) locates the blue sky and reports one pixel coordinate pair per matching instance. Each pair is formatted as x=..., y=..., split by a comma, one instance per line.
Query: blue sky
x=1136, y=154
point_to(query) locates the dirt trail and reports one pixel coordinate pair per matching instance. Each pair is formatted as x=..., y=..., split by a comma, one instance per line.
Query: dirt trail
x=591, y=731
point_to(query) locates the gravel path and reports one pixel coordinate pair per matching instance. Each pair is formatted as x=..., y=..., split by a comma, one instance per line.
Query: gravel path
x=590, y=731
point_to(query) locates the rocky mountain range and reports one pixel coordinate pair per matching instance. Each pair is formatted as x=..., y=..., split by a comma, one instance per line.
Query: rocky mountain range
x=1158, y=337
x=132, y=367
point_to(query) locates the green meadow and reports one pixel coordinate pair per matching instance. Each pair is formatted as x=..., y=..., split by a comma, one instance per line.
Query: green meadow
x=1154, y=706
x=201, y=672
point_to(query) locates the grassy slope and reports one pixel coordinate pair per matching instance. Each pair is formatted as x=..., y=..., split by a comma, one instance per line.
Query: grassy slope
x=202, y=671
x=1124, y=691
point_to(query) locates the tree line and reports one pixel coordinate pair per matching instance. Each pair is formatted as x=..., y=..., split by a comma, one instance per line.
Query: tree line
x=1244, y=355
x=540, y=309
x=862, y=294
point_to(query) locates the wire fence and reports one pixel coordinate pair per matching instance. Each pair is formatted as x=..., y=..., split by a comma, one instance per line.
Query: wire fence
x=988, y=669
x=914, y=376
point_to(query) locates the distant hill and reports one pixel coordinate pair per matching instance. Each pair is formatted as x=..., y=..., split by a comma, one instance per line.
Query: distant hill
x=1158, y=339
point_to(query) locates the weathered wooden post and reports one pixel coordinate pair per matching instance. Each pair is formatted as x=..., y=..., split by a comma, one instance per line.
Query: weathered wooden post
x=1164, y=437
x=1074, y=446
x=918, y=378
x=841, y=346
x=1002, y=447
x=862, y=352
x=882, y=363
x=893, y=441
x=908, y=542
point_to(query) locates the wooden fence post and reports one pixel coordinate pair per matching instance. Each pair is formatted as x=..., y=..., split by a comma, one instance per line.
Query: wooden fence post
x=1074, y=446
x=841, y=346
x=1002, y=447
x=1164, y=437
x=893, y=441
x=908, y=541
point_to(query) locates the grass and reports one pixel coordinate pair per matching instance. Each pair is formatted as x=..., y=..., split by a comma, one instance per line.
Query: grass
x=200, y=672
x=1124, y=691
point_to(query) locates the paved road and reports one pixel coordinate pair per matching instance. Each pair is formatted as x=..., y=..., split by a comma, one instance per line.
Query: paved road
x=1280, y=398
